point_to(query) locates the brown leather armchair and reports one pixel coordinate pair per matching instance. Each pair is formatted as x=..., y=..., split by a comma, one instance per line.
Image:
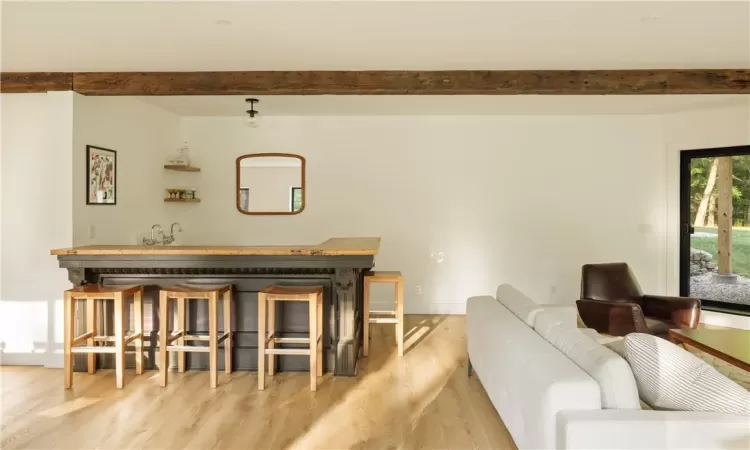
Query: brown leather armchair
x=612, y=303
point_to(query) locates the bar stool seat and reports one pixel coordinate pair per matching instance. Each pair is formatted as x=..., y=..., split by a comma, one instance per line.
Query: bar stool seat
x=267, y=336
x=395, y=317
x=91, y=293
x=181, y=293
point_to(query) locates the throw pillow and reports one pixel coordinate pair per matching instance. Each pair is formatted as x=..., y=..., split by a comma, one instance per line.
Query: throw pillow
x=669, y=377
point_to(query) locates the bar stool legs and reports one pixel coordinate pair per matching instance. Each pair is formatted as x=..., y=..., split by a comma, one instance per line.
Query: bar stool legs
x=181, y=293
x=400, y=317
x=271, y=331
x=163, y=337
x=68, y=326
x=313, y=306
x=262, y=321
x=228, y=329
x=395, y=317
x=92, y=295
x=91, y=325
x=181, y=322
x=213, y=340
x=319, y=335
x=268, y=336
x=138, y=311
x=119, y=342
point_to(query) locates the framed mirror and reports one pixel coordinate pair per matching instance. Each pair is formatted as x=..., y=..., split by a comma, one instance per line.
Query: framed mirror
x=270, y=183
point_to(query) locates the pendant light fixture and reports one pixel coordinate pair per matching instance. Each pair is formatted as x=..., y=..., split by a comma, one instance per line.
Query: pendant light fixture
x=252, y=118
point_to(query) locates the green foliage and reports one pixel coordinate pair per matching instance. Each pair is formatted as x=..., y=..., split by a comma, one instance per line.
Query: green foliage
x=699, y=172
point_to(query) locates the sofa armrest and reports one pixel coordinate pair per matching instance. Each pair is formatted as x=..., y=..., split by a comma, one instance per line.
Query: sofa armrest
x=646, y=429
x=613, y=318
x=682, y=311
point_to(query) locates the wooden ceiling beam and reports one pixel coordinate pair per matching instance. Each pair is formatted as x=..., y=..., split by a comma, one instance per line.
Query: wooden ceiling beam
x=31, y=82
x=389, y=82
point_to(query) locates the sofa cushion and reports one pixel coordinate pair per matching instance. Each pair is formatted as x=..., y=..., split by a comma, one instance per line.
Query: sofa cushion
x=670, y=377
x=611, y=372
x=518, y=303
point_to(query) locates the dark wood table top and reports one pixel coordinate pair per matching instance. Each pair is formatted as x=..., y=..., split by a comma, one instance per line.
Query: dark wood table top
x=730, y=345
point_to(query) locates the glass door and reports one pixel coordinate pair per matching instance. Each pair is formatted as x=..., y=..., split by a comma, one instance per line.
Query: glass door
x=715, y=207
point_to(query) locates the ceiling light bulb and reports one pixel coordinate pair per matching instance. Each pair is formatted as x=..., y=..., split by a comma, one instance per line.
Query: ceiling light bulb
x=251, y=120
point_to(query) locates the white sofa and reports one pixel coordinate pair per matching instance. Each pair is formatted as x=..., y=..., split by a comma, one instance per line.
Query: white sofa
x=548, y=401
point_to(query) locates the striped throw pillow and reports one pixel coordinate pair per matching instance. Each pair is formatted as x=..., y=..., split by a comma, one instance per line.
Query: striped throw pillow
x=671, y=378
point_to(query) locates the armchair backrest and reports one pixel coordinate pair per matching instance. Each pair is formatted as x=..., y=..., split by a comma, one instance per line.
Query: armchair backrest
x=610, y=282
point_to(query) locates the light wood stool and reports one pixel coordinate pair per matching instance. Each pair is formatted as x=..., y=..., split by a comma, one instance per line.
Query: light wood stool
x=91, y=293
x=395, y=317
x=181, y=293
x=267, y=338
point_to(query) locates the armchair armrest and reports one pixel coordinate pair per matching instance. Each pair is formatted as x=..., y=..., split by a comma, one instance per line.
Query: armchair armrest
x=684, y=312
x=613, y=318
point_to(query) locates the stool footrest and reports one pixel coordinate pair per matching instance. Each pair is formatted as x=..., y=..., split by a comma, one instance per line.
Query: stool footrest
x=188, y=348
x=383, y=313
x=287, y=351
x=382, y=320
x=90, y=349
x=104, y=339
x=289, y=340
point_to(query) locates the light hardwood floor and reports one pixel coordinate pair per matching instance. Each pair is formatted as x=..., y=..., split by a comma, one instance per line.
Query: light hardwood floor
x=421, y=400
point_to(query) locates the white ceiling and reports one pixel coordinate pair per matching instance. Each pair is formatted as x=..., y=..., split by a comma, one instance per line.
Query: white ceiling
x=369, y=105
x=351, y=35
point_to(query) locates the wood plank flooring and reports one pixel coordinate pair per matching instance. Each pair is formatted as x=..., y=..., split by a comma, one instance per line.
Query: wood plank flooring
x=421, y=400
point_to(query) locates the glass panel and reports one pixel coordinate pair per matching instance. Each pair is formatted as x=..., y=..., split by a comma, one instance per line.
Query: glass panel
x=720, y=213
x=270, y=184
x=296, y=198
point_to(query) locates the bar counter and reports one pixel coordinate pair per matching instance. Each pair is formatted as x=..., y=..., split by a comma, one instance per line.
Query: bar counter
x=337, y=264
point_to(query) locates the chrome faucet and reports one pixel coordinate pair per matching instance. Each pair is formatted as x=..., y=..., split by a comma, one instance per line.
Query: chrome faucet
x=169, y=239
x=153, y=241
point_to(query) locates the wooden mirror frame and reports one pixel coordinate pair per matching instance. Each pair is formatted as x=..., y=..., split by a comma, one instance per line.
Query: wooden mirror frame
x=270, y=213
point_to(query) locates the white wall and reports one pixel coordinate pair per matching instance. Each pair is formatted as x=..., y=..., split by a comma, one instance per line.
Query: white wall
x=142, y=135
x=699, y=129
x=37, y=187
x=462, y=203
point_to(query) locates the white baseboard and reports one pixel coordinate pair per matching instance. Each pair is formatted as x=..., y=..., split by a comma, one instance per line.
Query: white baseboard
x=23, y=359
x=51, y=360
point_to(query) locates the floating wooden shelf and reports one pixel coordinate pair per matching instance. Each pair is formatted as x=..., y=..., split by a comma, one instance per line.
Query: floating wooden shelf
x=182, y=200
x=180, y=168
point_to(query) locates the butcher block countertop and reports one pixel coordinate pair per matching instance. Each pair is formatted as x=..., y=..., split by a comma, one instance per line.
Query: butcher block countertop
x=331, y=247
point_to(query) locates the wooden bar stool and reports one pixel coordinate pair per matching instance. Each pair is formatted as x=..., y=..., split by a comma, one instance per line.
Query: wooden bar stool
x=181, y=293
x=92, y=293
x=395, y=317
x=267, y=337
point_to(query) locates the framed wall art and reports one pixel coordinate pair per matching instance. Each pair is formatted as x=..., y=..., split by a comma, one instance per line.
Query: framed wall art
x=101, y=176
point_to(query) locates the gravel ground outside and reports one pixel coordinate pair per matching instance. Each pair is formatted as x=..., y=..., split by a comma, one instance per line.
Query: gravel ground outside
x=702, y=286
